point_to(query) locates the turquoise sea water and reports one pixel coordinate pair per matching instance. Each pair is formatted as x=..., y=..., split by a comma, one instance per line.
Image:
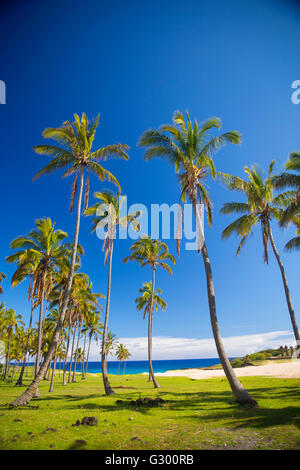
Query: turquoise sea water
x=138, y=367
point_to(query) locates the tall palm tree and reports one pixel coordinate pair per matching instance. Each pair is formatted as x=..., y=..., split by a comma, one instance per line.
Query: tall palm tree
x=20, y=378
x=86, y=300
x=41, y=250
x=122, y=354
x=50, y=324
x=32, y=271
x=2, y=277
x=10, y=325
x=93, y=328
x=80, y=357
x=74, y=153
x=155, y=254
x=111, y=343
x=291, y=180
x=261, y=207
x=56, y=297
x=108, y=220
x=144, y=301
x=2, y=329
x=190, y=148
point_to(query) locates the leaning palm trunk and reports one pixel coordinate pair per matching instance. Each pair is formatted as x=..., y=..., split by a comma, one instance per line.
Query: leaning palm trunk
x=241, y=395
x=151, y=373
x=286, y=287
x=107, y=386
x=29, y=393
x=76, y=351
x=20, y=379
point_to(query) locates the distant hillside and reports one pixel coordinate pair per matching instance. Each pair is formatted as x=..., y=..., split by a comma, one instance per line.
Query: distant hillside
x=251, y=359
x=280, y=354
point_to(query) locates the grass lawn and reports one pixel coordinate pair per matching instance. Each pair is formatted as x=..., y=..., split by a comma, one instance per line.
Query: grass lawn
x=199, y=414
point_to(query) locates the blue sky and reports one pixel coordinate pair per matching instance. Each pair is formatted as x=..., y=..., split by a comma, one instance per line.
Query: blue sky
x=135, y=63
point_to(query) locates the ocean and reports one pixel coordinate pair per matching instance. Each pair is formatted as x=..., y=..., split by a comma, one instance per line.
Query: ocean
x=138, y=367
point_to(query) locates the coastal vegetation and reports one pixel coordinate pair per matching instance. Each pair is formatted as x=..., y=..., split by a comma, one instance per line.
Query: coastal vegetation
x=70, y=314
x=266, y=356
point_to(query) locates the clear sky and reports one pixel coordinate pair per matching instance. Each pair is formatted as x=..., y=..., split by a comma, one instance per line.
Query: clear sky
x=135, y=63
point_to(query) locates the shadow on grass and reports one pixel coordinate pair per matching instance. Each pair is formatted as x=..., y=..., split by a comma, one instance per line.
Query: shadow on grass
x=198, y=407
x=254, y=418
x=260, y=417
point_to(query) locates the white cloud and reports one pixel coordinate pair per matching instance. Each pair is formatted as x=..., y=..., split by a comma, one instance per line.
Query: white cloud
x=167, y=347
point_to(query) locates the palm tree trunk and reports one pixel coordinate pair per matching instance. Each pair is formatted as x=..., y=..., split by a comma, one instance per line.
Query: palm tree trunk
x=76, y=351
x=40, y=328
x=27, y=366
x=72, y=352
x=20, y=379
x=155, y=383
x=88, y=355
x=6, y=367
x=14, y=369
x=107, y=386
x=124, y=368
x=286, y=288
x=40, y=336
x=66, y=356
x=241, y=395
x=46, y=376
x=29, y=393
x=149, y=328
x=53, y=370
x=83, y=365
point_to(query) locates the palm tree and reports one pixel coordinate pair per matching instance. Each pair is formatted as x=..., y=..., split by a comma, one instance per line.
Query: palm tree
x=190, y=149
x=20, y=378
x=122, y=354
x=74, y=153
x=261, y=207
x=2, y=277
x=294, y=243
x=50, y=324
x=111, y=343
x=109, y=219
x=153, y=253
x=291, y=180
x=40, y=251
x=144, y=301
x=86, y=300
x=32, y=271
x=10, y=325
x=93, y=328
x=80, y=357
x=56, y=297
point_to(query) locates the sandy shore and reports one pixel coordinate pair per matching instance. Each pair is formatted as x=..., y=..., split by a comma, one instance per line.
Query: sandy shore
x=289, y=370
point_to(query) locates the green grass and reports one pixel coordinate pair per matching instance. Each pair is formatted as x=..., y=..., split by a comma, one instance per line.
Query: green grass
x=200, y=414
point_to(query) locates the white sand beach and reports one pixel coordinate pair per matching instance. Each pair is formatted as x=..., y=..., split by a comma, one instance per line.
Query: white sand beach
x=284, y=370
